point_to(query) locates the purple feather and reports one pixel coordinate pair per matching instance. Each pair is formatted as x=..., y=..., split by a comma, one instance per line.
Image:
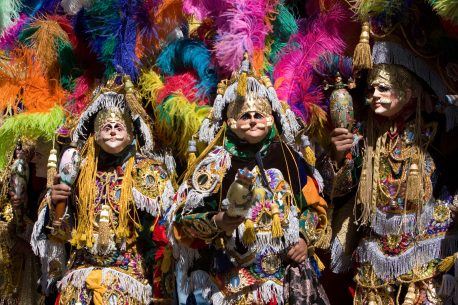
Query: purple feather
x=202, y=9
x=241, y=28
x=293, y=73
x=10, y=35
x=124, y=55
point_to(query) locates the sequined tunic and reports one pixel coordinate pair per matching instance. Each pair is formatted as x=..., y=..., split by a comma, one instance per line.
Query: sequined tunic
x=232, y=269
x=407, y=239
x=118, y=272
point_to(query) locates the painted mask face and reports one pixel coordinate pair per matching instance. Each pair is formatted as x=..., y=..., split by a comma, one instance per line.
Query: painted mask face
x=390, y=90
x=252, y=126
x=113, y=137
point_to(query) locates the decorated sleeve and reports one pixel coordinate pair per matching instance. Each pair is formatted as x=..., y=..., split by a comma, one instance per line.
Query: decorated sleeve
x=313, y=220
x=196, y=226
x=153, y=191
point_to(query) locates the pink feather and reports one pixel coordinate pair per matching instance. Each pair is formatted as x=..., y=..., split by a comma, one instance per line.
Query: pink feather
x=80, y=97
x=9, y=36
x=184, y=83
x=293, y=73
x=202, y=9
x=242, y=27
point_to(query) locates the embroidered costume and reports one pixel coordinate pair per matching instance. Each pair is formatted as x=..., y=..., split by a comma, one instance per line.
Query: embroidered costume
x=280, y=204
x=118, y=199
x=408, y=233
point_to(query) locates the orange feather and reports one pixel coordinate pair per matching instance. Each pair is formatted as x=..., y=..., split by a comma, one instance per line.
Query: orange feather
x=23, y=84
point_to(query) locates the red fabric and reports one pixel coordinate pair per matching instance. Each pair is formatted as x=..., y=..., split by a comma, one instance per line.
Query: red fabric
x=57, y=299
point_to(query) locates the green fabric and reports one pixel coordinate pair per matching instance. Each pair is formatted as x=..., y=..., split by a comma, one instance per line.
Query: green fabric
x=244, y=150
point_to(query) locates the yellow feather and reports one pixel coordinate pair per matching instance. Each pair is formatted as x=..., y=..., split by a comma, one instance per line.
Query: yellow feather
x=177, y=120
x=150, y=84
x=317, y=125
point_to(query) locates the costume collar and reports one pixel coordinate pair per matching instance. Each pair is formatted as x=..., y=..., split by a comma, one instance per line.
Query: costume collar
x=245, y=150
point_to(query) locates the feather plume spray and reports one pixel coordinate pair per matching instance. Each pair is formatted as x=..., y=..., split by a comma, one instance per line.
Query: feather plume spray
x=147, y=38
x=184, y=55
x=328, y=64
x=293, y=73
x=185, y=84
x=202, y=9
x=81, y=96
x=109, y=26
x=167, y=16
x=9, y=11
x=242, y=27
x=10, y=36
x=29, y=125
x=447, y=9
x=66, y=25
x=383, y=11
x=284, y=26
x=49, y=6
x=72, y=7
x=43, y=40
x=155, y=20
x=150, y=84
x=23, y=85
x=177, y=120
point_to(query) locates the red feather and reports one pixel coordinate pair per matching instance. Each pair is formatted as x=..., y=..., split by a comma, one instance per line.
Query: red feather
x=184, y=83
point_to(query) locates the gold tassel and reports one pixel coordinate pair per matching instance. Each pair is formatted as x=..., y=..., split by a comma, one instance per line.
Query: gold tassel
x=192, y=149
x=52, y=168
x=413, y=183
x=86, y=185
x=133, y=98
x=166, y=260
x=363, y=184
x=125, y=201
x=371, y=298
x=277, y=230
x=249, y=236
x=309, y=156
x=104, y=226
x=242, y=84
x=362, y=58
x=319, y=262
x=446, y=264
x=411, y=295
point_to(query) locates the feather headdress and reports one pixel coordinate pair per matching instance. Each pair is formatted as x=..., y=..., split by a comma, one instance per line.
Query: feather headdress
x=24, y=86
x=110, y=28
x=294, y=72
x=283, y=27
x=9, y=37
x=241, y=27
x=447, y=9
x=45, y=37
x=9, y=11
x=29, y=125
x=189, y=55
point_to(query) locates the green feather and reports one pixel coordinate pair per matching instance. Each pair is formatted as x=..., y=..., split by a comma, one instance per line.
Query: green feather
x=177, y=120
x=373, y=8
x=9, y=10
x=28, y=125
x=283, y=27
x=447, y=9
x=67, y=63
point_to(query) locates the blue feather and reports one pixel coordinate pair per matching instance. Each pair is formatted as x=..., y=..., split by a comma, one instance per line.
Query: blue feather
x=187, y=54
x=110, y=29
x=125, y=52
